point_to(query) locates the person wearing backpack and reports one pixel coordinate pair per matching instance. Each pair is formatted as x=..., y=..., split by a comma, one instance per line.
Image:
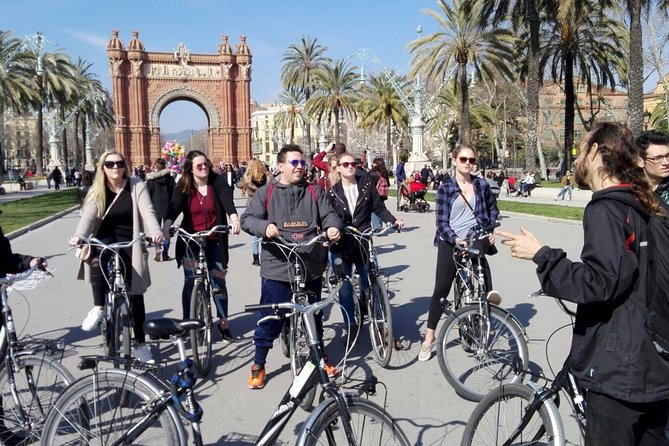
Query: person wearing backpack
x=612, y=354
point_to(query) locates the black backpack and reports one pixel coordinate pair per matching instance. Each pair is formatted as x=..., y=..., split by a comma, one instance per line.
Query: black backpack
x=656, y=304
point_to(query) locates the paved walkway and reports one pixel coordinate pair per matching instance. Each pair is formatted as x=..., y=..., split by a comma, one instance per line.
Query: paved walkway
x=426, y=407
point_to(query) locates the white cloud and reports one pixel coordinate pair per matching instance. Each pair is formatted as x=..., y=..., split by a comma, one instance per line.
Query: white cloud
x=90, y=39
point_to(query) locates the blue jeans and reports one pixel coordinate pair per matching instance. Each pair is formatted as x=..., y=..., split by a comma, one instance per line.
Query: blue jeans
x=376, y=221
x=346, y=290
x=274, y=291
x=255, y=245
x=216, y=276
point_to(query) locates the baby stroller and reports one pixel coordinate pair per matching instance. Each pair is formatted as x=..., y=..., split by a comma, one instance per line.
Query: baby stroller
x=414, y=201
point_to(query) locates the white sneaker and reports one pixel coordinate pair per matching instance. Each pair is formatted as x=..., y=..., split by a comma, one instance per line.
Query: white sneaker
x=426, y=351
x=494, y=297
x=93, y=318
x=143, y=354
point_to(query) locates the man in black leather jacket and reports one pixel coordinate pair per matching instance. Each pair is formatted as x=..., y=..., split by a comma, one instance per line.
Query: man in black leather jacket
x=13, y=263
x=611, y=353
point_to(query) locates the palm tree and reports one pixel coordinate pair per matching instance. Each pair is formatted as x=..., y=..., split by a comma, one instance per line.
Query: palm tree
x=292, y=116
x=580, y=44
x=381, y=106
x=460, y=40
x=17, y=86
x=635, y=8
x=336, y=92
x=299, y=64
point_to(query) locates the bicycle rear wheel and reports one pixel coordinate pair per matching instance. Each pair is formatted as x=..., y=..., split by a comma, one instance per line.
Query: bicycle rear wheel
x=39, y=381
x=90, y=412
x=371, y=425
x=380, y=322
x=476, y=359
x=200, y=339
x=299, y=355
x=499, y=414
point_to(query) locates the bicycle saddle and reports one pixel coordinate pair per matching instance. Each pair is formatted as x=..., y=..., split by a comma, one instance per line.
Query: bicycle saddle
x=163, y=328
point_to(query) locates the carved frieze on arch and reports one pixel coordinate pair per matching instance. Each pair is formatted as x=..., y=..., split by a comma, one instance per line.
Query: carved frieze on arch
x=180, y=93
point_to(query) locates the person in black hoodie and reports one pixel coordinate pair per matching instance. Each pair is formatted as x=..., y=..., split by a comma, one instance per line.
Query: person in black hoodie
x=611, y=353
x=160, y=185
x=12, y=263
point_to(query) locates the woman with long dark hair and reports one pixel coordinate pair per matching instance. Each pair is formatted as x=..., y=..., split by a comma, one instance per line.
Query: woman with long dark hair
x=205, y=199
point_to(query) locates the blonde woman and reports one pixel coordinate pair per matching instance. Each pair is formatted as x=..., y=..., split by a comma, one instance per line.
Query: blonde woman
x=116, y=209
x=256, y=176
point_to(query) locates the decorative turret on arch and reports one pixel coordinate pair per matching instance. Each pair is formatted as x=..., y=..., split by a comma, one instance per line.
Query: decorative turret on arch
x=144, y=83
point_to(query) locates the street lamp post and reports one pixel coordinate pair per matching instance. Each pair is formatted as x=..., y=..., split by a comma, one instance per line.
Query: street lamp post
x=646, y=120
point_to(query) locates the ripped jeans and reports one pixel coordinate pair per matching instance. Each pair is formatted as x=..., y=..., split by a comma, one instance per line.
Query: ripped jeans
x=217, y=279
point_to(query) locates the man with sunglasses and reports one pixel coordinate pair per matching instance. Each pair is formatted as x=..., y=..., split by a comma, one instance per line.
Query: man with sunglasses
x=291, y=208
x=654, y=151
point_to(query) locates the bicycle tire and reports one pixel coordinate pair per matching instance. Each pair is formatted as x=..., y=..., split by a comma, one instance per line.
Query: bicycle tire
x=475, y=366
x=89, y=412
x=48, y=379
x=497, y=416
x=380, y=322
x=300, y=355
x=370, y=423
x=3, y=339
x=200, y=339
x=121, y=338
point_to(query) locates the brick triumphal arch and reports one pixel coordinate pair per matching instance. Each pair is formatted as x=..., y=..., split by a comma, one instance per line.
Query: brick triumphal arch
x=144, y=83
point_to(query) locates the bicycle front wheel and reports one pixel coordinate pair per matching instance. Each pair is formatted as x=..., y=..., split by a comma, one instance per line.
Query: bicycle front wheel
x=299, y=355
x=200, y=339
x=497, y=417
x=91, y=411
x=371, y=425
x=477, y=354
x=121, y=339
x=380, y=322
x=39, y=381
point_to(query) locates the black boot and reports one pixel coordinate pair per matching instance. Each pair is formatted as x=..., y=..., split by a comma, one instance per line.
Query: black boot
x=256, y=260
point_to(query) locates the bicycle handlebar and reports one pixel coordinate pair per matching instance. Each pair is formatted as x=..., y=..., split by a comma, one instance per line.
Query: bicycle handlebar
x=290, y=244
x=201, y=234
x=371, y=231
x=118, y=245
x=10, y=280
x=477, y=234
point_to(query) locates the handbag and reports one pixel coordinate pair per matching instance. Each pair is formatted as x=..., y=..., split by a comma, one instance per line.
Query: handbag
x=84, y=252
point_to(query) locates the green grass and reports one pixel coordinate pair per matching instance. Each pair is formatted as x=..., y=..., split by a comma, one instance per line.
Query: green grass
x=20, y=213
x=539, y=209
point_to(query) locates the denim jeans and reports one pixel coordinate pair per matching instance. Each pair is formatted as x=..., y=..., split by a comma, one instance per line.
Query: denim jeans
x=216, y=275
x=346, y=290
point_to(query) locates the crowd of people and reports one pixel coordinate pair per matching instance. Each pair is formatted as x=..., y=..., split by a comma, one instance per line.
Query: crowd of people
x=627, y=382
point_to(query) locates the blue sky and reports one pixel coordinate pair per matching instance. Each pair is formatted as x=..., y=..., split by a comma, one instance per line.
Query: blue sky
x=83, y=28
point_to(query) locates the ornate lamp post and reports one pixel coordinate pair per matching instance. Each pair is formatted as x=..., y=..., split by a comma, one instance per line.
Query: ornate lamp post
x=646, y=120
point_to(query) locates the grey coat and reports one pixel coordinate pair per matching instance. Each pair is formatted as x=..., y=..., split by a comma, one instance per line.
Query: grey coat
x=300, y=212
x=143, y=220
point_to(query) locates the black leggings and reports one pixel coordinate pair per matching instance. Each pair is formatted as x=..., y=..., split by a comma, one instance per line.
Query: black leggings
x=443, y=280
x=100, y=289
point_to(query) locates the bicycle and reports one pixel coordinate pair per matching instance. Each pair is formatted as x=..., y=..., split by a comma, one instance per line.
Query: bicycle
x=480, y=344
x=527, y=414
x=201, y=297
x=115, y=325
x=31, y=378
x=294, y=337
x=341, y=417
x=373, y=306
x=119, y=405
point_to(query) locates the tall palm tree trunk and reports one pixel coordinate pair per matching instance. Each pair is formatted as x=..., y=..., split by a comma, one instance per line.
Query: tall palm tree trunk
x=533, y=81
x=570, y=103
x=39, y=156
x=389, y=148
x=635, y=104
x=463, y=136
x=307, y=133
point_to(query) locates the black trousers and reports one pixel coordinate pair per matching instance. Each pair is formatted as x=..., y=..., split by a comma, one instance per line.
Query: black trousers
x=100, y=288
x=443, y=280
x=613, y=422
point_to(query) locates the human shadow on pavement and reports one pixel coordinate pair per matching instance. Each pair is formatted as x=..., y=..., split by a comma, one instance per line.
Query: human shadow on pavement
x=390, y=247
x=523, y=312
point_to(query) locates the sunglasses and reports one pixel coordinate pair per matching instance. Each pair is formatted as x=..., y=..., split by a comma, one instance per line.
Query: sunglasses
x=296, y=163
x=346, y=164
x=110, y=164
x=203, y=166
x=464, y=159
